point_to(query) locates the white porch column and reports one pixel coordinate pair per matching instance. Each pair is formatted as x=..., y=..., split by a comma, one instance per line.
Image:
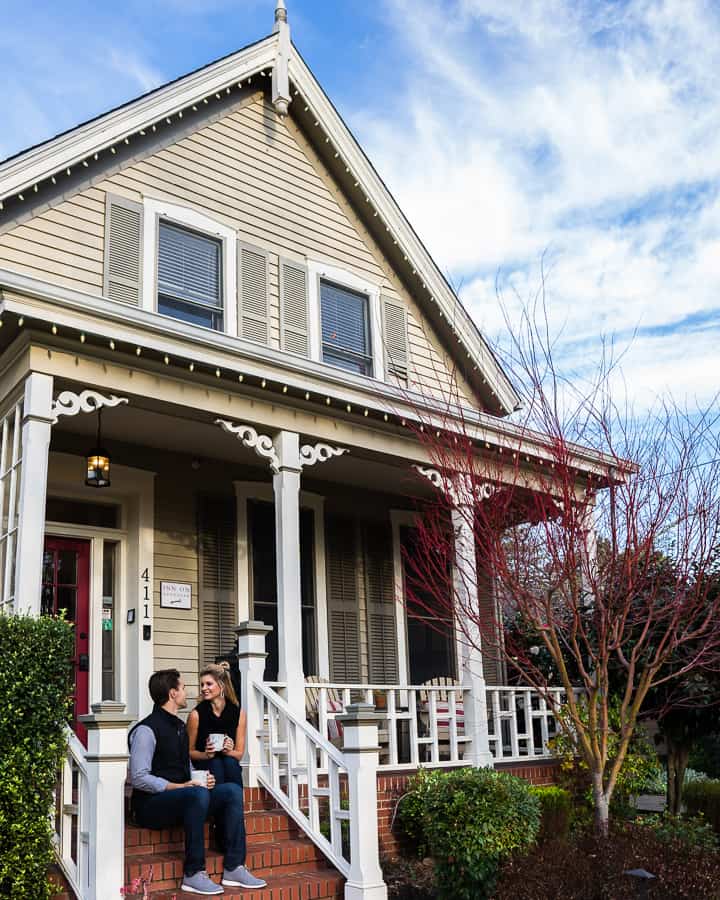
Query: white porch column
x=251, y=662
x=463, y=494
x=106, y=762
x=286, y=489
x=465, y=585
x=287, y=460
x=472, y=676
x=36, y=424
x=360, y=751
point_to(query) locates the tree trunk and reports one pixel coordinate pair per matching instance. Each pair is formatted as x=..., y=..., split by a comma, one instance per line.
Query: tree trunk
x=677, y=761
x=601, y=801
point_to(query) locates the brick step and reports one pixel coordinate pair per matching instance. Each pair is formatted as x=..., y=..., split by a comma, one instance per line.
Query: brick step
x=262, y=859
x=327, y=885
x=259, y=826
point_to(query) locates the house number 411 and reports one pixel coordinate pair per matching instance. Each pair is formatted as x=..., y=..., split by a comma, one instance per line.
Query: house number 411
x=145, y=577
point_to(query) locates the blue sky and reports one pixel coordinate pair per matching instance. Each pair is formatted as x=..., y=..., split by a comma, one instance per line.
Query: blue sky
x=584, y=133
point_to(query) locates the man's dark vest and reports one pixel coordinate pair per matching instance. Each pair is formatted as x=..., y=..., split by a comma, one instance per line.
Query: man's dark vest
x=171, y=759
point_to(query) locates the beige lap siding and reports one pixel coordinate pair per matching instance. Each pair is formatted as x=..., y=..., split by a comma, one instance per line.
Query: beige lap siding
x=259, y=176
x=176, y=630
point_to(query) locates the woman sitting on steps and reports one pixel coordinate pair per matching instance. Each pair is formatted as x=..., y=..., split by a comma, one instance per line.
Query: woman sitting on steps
x=218, y=713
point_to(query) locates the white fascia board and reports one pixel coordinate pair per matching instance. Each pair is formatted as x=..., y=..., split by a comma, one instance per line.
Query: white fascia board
x=69, y=149
x=387, y=208
x=76, y=310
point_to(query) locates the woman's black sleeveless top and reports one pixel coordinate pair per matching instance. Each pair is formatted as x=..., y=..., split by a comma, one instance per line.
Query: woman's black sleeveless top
x=225, y=723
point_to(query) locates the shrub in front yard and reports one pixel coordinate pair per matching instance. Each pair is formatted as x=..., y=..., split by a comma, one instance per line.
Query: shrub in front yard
x=35, y=686
x=695, y=832
x=470, y=820
x=703, y=796
x=556, y=809
x=592, y=868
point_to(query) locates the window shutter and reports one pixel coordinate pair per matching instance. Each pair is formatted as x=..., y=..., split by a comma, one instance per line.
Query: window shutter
x=395, y=337
x=253, y=294
x=123, y=241
x=294, y=308
x=216, y=540
x=491, y=634
x=342, y=597
x=380, y=598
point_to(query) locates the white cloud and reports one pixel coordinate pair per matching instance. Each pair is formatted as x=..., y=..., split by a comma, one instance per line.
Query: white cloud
x=590, y=130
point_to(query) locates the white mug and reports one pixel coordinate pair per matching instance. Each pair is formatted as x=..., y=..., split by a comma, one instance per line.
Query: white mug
x=217, y=741
x=199, y=776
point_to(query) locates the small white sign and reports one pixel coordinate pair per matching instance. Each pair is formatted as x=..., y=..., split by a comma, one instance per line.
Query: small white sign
x=176, y=594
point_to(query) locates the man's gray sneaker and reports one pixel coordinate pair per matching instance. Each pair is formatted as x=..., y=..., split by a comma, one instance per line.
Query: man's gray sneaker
x=200, y=883
x=241, y=877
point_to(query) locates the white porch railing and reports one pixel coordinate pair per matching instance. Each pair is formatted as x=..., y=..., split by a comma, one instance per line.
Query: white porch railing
x=425, y=724
x=71, y=813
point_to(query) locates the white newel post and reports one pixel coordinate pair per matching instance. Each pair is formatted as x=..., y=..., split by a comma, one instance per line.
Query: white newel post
x=286, y=488
x=360, y=751
x=251, y=662
x=467, y=598
x=106, y=761
x=36, y=425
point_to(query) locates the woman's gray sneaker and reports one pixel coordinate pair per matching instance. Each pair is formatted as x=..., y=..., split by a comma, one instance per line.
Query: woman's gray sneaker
x=241, y=877
x=200, y=883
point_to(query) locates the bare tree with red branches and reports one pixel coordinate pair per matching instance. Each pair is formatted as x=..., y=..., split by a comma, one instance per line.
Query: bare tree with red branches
x=600, y=531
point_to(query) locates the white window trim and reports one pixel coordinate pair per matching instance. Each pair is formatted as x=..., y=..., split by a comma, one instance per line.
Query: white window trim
x=154, y=210
x=343, y=278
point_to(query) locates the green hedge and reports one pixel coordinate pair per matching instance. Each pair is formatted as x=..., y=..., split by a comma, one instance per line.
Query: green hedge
x=556, y=807
x=469, y=820
x=35, y=687
x=703, y=796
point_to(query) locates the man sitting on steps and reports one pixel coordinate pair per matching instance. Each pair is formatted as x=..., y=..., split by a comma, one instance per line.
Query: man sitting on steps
x=164, y=794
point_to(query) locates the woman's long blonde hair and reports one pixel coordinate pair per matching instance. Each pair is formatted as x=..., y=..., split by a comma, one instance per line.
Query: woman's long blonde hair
x=221, y=674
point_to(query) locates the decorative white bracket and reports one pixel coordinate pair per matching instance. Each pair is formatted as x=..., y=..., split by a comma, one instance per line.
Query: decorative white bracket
x=309, y=454
x=69, y=403
x=460, y=488
x=280, y=76
x=262, y=444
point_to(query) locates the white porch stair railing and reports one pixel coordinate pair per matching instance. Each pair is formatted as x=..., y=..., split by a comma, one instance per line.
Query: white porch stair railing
x=89, y=807
x=71, y=809
x=331, y=795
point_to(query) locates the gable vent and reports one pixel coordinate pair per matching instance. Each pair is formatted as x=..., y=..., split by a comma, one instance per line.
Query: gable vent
x=293, y=294
x=123, y=234
x=396, y=340
x=253, y=294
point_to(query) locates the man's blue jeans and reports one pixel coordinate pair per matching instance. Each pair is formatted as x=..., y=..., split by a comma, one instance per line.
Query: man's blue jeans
x=190, y=807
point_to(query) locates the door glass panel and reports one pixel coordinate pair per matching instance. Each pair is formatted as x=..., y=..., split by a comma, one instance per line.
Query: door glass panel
x=47, y=572
x=108, y=621
x=67, y=567
x=66, y=600
x=47, y=606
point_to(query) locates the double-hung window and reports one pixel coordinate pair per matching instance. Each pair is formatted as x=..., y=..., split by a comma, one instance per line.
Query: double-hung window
x=189, y=276
x=345, y=320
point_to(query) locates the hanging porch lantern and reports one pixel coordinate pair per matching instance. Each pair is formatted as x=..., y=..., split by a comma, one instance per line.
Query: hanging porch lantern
x=98, y=461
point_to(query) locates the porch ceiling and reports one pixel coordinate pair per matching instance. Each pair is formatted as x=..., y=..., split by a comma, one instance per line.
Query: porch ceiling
x=134, y=428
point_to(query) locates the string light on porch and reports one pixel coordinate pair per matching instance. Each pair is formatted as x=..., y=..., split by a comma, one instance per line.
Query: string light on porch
x=98, y=461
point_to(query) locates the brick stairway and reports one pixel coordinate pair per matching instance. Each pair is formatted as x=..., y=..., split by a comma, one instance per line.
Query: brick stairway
x=277, y=851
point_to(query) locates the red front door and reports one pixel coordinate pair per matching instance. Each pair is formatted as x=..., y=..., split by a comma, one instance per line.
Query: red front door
x=66, y=586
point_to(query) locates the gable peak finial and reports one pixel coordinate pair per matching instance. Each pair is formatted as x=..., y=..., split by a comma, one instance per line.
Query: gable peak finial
x=280, y=11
